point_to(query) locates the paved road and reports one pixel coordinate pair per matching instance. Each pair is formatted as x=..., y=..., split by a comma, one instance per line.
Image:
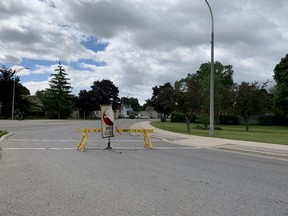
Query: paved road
x=41, y=173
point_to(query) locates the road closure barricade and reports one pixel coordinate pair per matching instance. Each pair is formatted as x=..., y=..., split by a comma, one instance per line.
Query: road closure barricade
x=147, y=141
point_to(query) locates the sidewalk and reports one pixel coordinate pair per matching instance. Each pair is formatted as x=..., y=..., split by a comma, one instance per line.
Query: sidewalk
x=265, y=149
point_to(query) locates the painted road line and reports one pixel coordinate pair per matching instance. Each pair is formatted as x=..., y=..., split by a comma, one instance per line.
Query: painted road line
x=90, y=140
x=101, y=148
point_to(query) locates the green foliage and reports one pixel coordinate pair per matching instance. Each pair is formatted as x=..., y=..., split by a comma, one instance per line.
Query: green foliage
x=131, y=102
x=229, y=119
x=203, y=118
x=224, y=88
x=189, y=97
x=102, y=92
x=6, y=92
x=177, y=117
x=251, y=99
x=281, y=79
x=163, y=99
x=35, y=106
x=132, y=116
x=83, y=101
x=57, y=99
x=2, y=133
x=273, y=120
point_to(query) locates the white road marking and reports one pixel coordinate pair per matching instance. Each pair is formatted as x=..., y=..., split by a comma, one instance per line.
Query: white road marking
x=89, y=140
x=101, y=148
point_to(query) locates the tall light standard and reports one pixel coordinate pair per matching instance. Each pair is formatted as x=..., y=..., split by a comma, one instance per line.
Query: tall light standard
x=13, y=97
x=211, y=132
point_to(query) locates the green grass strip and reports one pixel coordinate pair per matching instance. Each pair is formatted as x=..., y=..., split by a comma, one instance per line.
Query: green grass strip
x=256, y=133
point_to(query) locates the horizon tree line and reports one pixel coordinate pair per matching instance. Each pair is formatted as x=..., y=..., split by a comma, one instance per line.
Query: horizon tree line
x=189, y=95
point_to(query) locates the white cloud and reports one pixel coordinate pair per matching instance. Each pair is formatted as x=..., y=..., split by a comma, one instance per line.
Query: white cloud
x=36, y=86
x=149, y=42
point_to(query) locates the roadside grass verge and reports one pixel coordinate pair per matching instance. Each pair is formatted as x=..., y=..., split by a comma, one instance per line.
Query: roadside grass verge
x=2, y=133
x=256, y=133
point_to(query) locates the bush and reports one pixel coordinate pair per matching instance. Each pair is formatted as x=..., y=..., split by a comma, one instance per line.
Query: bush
x=132, y=116
x=203, y=118
x=229, y=120
x=177, y=117
x=206, y=127
x=273, y=120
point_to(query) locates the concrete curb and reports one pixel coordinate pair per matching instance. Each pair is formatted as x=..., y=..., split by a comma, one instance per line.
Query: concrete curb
x=247, y=147
x=5, y=136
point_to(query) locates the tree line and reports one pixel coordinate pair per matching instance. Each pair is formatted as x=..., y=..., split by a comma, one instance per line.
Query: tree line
x=57, y=101
x=187, y=97
x=190, y=97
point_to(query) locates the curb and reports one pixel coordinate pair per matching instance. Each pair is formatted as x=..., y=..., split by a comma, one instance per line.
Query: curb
x=228, y=145
x=5, y=136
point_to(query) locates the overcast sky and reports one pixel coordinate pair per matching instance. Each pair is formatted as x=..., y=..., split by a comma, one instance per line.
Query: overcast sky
x=139, y=44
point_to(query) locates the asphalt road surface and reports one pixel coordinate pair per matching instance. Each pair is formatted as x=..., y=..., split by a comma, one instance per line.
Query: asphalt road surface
x=42, y=174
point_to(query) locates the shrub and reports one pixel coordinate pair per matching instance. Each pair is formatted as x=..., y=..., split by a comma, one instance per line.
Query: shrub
x=273, y=120
x=229, y=119
x=177, y=117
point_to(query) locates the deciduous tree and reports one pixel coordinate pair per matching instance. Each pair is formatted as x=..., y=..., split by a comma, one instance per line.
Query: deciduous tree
x=7, y=76
x=163, y=99
x=281, y=79
x=224, y=87
x=250, y=100
x=188, y=96
x=102, y=92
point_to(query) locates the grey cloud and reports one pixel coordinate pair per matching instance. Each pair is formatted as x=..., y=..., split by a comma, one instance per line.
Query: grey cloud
x=104, y=18
x=16, y=36
x=149, y=42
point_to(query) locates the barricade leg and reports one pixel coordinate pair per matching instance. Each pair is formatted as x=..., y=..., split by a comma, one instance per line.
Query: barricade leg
x=147, y=141
x=82, y=143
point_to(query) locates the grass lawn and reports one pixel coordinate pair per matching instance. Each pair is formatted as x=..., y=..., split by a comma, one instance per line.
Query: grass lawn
x=2, y=133
x=265, y=134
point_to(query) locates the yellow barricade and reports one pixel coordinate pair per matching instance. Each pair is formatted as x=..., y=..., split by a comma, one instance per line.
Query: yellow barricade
x=147, y=142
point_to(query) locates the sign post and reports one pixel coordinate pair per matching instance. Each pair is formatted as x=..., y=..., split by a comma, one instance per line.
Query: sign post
x=107, y=123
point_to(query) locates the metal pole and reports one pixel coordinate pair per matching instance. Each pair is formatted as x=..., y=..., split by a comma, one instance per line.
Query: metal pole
x=211, y=132
x=13, y=97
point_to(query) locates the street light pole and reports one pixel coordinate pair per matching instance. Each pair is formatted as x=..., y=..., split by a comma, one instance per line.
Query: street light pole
x=211, y=132
x=13, y=97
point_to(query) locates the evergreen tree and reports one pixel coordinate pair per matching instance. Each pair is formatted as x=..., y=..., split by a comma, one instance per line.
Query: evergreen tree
x=58, y=99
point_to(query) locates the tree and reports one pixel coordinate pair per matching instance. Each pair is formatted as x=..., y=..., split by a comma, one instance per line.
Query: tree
x=224, y=88
x=58, y=99
x=6, y=92
x=132, y=102
x=281, y=79
x=188, y=97
x=162, y=99
x=251, y=98
x=36, y=107
x=104, y=92
x=83, y=102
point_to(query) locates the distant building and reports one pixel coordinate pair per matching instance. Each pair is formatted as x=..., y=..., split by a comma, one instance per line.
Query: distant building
x=124, y=111
x=149, y=112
